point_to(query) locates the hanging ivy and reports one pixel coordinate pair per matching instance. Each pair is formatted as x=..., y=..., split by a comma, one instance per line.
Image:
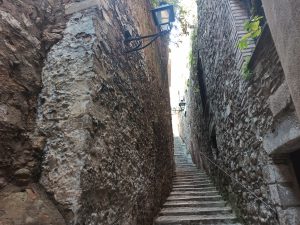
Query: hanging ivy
x=253, y=29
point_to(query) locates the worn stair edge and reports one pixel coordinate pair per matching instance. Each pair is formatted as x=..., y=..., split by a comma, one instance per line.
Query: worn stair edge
x=195, y=211
x=201, y=219
x=192, y=193
x=195, y=198
x=195, y=189
x=195, y=203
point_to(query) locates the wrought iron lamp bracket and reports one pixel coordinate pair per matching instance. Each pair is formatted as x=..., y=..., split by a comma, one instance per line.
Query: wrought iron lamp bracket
x=138, y=39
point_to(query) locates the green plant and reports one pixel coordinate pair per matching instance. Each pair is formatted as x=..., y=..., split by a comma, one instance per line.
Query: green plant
x=246, y=71
x=253, y=29
x=192, y=60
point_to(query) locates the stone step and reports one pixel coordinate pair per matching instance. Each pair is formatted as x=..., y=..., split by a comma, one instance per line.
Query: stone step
x=190, y=177
x=193, y=193
x=196, y=219
x=184, y=165
x=187, y=167
x=191, y=182
x=193, y=185
x=194, y=203
x=194, y=198
x=181, y=173
x=195, y=189
x=176, y=179
x=189, y=173
x=186, y=170
x=195, y=211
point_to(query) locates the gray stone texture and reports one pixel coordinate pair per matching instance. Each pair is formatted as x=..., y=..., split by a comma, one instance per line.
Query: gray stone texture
x=28, y=206
x=88, y=124
x=290, y=216
x=24, y=25
x=239, y=111
x=285, y=194
x=280, y=99
x=285, y=138
x=284, y=18
x=103, y=114
x=279, y=173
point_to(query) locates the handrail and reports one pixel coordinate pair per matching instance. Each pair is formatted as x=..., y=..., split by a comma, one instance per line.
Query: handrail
x=247, y=189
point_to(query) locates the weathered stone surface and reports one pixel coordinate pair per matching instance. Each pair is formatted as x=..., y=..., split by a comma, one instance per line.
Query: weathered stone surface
x=285, y=138
x=230, y=129
x=27, y=206
x=101, y=123
x=277, y=173
x=280, y=99
x=108, y=151
x=22, y=49
x=290, y=216
x=284, y=18
x=285, y=194
x=23, y=176
x=79, y=6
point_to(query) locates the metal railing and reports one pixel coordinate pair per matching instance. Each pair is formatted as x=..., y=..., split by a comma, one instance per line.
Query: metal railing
x=243, y=186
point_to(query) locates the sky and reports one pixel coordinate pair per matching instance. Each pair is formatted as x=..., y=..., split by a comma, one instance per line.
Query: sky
x=179, y=57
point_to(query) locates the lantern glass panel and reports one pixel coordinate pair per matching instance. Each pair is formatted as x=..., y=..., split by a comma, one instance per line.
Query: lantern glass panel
x=163, y=16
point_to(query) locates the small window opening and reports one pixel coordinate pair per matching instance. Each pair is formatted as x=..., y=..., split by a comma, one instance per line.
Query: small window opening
x=214, y=145
x=295, y=158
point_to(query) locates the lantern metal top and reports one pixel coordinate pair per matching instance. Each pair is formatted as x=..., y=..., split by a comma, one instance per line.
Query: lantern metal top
x=163, y=15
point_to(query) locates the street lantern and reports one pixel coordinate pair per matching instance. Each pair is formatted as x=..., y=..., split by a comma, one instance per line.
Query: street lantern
x=182, y=105
x=163, y=17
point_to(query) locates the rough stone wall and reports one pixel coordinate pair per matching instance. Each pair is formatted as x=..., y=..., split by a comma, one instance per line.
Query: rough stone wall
x=99, y=118
x=283, y=17
x=27, y=29
x=241, y=115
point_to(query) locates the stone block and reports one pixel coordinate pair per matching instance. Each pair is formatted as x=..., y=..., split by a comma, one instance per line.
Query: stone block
x=283, y=18
x=10, y=115
x=285, y=139
x=79, y=6
x=280, y=99
x=277, y=173
x=285, y=195
x=30, y=205
x=290, y=216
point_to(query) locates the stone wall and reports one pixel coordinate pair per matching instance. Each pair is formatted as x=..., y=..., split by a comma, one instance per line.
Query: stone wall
x=98, y=120
x=240, y=118
x=27, y=29
x=283, y=17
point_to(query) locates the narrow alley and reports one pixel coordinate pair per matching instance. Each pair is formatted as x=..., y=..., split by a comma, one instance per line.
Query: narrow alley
x=194, y=199
x=149, y=112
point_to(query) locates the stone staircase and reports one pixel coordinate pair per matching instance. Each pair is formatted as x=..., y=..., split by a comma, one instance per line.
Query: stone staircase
x=194, y=200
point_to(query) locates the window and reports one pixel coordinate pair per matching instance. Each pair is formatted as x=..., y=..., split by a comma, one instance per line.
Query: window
x=295, y=158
